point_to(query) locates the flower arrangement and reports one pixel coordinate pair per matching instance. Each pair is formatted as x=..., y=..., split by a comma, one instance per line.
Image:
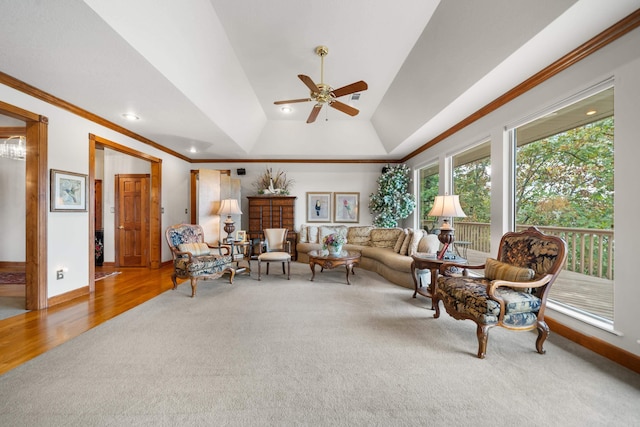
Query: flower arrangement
x=334, y=240
x=270, y=183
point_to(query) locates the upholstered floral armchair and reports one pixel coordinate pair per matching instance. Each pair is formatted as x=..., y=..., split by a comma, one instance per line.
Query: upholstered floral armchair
x=513, y=292
x=194, y=259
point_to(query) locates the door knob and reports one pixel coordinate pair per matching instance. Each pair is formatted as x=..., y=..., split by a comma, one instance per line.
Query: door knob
x=121, y=227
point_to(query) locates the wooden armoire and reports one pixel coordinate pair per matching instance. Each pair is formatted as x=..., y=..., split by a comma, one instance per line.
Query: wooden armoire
x=273, y=212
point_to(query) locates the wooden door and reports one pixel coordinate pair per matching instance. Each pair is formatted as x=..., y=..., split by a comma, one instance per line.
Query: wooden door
x=132, y=220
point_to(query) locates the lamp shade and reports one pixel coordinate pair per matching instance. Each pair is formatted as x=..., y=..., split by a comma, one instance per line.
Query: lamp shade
x=229, y=207
x=448, y=206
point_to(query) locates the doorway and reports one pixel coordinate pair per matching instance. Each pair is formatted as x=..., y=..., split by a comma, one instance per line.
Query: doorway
x=154, y=185
x=132, y=220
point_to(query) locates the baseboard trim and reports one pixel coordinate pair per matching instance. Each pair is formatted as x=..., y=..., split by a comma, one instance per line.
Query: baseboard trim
x=68, y=296
x=603, y=348
x=9, y=264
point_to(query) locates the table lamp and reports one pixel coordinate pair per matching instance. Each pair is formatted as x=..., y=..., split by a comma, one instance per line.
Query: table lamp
x=447, y=207
x=229, y=207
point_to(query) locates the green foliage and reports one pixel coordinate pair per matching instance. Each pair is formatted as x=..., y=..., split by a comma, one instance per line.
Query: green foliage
x=429, y=188
x=566, y=180
x=393, y=201
x=472, y=182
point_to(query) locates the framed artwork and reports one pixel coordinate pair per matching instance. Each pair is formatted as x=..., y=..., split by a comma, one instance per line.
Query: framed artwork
x=241, y=236
x=318, y=207
x=68, y=191
x=346, y=207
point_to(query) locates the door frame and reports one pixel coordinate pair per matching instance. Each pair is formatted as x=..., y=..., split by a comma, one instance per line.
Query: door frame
x=36, y=127
x=155, y=214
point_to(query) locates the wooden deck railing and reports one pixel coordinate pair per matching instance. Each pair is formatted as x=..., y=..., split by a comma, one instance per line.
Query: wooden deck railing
x=589, y=251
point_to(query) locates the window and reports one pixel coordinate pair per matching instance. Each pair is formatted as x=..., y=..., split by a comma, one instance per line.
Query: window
x=429, y=187
x=472, y=182
x=564, y=186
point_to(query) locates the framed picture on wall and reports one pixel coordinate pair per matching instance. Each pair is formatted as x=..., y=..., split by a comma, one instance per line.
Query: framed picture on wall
x=318, y=207
x=68, y=191
x=346, y=207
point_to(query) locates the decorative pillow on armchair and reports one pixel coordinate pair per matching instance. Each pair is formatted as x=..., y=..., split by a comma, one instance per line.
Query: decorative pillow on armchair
x=196, y=249
x=496, y=270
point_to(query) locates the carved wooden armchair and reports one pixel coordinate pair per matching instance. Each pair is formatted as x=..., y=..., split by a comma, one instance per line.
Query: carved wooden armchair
x=513, y=292
x=193, y=258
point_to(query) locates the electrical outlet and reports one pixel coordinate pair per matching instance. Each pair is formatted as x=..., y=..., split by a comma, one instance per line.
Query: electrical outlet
x=186, y=211
x=59, y=274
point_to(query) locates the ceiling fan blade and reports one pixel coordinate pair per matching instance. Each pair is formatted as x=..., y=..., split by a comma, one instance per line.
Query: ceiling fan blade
x=292, y=101
x=353, y=87
x=310, y=84
x=344, y=108
x=314, y=113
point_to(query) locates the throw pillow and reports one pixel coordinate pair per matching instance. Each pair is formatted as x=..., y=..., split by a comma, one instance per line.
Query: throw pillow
x=359, y=235
x=312, y=234
x=196, y=249
x=401, y=238
x=429, y=244
x=303, y=236
x=385, y=237
x=404, y=250
x=338, y=229
x=497, y=270
x=415, y=241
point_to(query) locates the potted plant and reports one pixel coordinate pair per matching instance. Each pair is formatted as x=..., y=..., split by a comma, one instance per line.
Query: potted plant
x=393, y=201
x=333, y=243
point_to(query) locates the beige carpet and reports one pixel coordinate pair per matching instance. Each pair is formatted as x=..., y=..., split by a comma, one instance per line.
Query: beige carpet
x=296, y=352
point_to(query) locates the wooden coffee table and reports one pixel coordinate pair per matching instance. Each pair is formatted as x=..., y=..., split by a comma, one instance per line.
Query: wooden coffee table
x=347, y=258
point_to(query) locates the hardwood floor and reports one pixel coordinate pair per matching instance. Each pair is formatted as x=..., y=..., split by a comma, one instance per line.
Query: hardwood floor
x=28, y=335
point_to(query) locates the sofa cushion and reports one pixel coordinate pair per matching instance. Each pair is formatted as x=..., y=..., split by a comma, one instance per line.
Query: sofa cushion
x=359, y=235
x=385, y=237
x=389, y=258
x=303, y=234
x=312, y=233
x=401, y=238
x=416, y=236
x=196, y=249
x=404, y=250
x=429, y=244
x=496, y=270
x=324, y=231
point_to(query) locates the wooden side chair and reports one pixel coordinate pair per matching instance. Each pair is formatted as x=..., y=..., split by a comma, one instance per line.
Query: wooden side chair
x=275, y=248
x=513, y=292
x=194, y=259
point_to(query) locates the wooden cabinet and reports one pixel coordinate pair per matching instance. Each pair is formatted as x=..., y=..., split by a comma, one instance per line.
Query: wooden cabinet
x=273, y=212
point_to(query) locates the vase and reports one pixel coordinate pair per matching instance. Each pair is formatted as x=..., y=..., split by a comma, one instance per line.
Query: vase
x=335, y=250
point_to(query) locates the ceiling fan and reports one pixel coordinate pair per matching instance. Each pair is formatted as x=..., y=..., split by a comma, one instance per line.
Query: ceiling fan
x=324, y=94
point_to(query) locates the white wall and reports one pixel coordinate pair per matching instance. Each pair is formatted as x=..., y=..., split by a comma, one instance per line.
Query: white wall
x=68, y=232
x=12, y=210
x=310, y=177
x=621, y=60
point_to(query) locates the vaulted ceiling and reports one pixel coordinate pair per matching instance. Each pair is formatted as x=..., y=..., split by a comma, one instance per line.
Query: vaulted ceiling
x=203, y=75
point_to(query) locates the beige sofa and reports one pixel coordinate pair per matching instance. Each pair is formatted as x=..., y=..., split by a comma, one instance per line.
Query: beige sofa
x=385, y=251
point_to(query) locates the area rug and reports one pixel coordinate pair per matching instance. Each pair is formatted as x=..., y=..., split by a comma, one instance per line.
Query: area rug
x=280, y=352
x=18, y=278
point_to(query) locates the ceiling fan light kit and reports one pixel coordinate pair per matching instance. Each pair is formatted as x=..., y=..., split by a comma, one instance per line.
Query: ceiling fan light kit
x=324, y=94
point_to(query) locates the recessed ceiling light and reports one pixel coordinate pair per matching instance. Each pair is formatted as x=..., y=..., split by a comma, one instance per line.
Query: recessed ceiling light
x=193, y=150
x=286, y=110
x=591, y=112
x=130, y=116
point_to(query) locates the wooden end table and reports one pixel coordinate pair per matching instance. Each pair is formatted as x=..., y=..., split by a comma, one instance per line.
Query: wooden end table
x=347, y=258
x=431, y=263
